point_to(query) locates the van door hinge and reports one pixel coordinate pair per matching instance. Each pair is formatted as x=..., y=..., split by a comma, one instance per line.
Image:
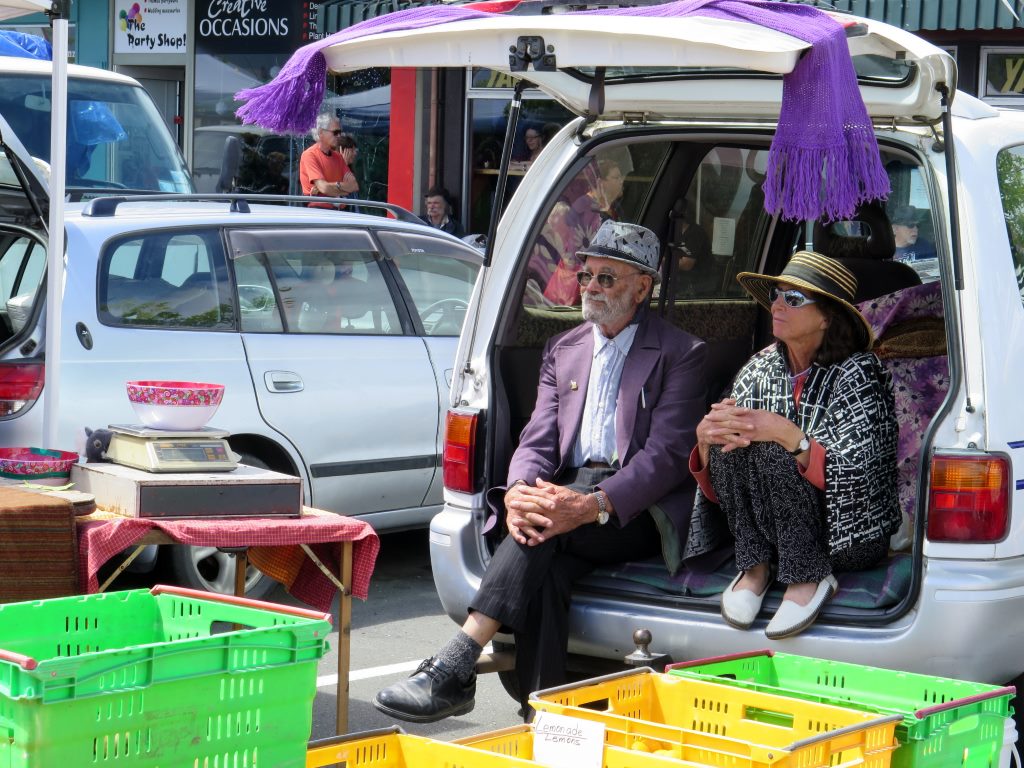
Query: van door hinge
x=530, y=49
x=635, y=118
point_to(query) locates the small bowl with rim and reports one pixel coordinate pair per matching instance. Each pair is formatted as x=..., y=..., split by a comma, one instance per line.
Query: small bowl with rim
x=42, y=466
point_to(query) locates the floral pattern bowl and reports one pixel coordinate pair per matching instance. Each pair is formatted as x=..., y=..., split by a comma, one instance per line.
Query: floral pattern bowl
x=174, y=405
x=37, y=465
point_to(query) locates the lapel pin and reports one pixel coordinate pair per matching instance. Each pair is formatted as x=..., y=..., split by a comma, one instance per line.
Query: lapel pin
x=572, y=385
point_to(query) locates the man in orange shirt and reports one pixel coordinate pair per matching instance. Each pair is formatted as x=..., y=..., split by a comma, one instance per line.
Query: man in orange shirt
x=323, y=171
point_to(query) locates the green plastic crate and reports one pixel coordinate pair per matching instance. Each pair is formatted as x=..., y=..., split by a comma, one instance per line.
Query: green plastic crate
x=161, y=678
x=946, y=723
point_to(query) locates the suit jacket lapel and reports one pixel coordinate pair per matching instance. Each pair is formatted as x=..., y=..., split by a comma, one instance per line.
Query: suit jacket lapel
x=573, y=375
x=642, y=357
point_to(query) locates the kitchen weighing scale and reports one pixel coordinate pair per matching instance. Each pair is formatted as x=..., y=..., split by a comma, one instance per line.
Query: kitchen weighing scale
x=160, y=450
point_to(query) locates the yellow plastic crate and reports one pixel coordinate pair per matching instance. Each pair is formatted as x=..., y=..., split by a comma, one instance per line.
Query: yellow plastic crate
x=513, y=748
x=645, y=706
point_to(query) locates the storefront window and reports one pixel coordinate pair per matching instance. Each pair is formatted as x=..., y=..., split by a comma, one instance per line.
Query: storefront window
x=266, y=162
x=1003, y=75
x=539, y=120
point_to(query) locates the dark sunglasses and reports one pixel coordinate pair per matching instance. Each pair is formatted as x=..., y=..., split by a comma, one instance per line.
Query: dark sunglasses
x=336, y=132
x=792, y=297
x=604, y=279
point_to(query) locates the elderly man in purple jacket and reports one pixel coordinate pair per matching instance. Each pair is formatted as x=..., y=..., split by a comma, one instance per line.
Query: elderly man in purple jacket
x=599, y=477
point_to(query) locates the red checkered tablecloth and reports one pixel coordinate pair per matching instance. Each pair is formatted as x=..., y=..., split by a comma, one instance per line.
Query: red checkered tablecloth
x=272, y=541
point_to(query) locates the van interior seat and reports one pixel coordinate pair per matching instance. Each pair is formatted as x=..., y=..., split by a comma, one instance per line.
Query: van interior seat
x=866, y=250
x=910, y=335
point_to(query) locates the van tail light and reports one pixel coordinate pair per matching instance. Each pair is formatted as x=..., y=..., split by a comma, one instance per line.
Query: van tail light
x=20, y=386
x=460, y=451
x=969, y=499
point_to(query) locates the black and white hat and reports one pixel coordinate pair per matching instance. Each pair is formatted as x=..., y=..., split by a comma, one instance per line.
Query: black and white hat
x=626, y=242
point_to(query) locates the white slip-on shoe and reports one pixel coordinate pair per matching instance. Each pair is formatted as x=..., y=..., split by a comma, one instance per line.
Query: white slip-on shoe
x=740, y=608
x=793, y=618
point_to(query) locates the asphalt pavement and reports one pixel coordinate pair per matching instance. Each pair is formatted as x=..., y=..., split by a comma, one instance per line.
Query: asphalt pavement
x=392, y=632
x=399, y=625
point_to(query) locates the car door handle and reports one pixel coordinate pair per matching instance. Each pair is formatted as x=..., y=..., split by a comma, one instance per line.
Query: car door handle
x=282, y=381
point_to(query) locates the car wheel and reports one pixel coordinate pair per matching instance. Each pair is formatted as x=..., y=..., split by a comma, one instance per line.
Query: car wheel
x=209, y=569
x=508, y=678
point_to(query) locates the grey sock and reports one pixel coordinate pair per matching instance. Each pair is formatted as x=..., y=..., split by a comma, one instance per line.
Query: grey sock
x=461, y=654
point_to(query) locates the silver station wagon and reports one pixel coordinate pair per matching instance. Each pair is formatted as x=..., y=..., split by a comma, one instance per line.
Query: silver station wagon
x=333, y=333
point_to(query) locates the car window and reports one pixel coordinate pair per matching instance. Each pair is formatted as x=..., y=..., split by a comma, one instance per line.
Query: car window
x=1010, y=171
x=166, y=280
x=22, y=262
x=325, y=281
x=613, y=183
x=439, y=275
x=713, y=225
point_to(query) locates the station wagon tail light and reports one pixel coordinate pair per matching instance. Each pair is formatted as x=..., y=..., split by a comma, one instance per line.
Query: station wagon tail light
x=20, y=385
x=460, y=450
x=969, y=498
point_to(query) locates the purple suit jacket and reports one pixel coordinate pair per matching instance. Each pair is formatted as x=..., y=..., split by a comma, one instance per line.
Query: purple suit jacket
x=661, y=400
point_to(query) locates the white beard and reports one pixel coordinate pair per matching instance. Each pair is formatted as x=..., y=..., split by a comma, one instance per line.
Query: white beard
x=602, y=310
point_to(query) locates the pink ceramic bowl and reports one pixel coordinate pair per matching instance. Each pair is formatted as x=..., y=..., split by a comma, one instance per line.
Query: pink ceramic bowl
x=37, y=465
x=175, y=405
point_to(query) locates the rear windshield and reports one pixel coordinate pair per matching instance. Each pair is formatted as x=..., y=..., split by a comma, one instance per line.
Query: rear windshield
x=116, y=137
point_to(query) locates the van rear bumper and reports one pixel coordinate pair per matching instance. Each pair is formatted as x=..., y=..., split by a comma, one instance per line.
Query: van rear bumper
x=968, y=621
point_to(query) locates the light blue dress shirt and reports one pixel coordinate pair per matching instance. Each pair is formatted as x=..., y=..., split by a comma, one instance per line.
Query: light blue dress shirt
x=596, y=440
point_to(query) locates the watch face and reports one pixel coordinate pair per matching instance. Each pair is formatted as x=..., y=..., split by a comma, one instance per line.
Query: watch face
x=602, y=518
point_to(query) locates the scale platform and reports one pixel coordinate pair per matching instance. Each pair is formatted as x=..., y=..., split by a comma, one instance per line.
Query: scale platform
x=161, y=450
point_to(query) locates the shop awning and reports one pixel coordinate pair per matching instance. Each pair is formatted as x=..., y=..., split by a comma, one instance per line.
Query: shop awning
x=910, y=15
x=336, y=15
x=935, y=15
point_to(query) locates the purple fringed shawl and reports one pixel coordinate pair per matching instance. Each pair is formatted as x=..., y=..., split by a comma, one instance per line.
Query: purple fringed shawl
x=823, y=160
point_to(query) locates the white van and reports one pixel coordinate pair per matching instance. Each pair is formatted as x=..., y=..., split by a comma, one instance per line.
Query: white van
x=687, y=109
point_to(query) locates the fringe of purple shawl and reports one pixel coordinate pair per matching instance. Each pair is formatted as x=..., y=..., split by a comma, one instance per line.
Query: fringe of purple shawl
x=823, y=159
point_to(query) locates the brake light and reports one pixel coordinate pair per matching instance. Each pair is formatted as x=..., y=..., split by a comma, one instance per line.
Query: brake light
x=20, y=385
x=969, y=498
x=459, y=451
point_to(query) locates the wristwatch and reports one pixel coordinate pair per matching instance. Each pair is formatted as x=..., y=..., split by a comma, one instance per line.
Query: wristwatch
x=803, y=445
x=602, y=508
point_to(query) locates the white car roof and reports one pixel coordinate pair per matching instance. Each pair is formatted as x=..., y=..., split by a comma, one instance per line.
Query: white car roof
x=581, y=42
x=13, y=65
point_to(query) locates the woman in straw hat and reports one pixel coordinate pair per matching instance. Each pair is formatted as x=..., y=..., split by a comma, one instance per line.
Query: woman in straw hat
x=802, y=457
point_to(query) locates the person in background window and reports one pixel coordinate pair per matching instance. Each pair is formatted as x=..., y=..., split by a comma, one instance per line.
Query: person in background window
x=910, y=247
x=689, y=244
x=323, y=171
x=437, y=201
x=601, y=202
x=534, y=141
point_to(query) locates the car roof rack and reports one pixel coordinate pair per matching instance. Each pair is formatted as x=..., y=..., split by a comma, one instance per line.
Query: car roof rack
x=108, y=204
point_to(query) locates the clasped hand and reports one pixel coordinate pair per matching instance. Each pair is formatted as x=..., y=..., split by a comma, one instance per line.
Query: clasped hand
x=731, y=427
x=536, y=513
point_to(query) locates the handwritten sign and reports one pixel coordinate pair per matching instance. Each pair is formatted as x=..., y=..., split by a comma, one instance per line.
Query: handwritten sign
x=559, y=741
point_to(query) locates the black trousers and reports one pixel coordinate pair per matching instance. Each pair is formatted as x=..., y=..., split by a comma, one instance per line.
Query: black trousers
x=528, y=589
x=778, y=517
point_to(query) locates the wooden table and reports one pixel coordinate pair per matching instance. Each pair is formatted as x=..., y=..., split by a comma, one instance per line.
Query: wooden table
x=217, y=534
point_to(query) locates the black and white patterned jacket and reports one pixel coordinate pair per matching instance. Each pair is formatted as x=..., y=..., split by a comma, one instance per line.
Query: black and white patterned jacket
x=848, y=408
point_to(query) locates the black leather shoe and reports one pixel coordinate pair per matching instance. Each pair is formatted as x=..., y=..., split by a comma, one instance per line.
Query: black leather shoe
x=432, y=693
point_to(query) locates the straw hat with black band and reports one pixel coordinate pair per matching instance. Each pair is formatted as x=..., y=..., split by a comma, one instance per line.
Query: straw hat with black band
x=815, y=274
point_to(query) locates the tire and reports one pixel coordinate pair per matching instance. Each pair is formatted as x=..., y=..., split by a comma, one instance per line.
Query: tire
x=508, y=678
x=210, y=570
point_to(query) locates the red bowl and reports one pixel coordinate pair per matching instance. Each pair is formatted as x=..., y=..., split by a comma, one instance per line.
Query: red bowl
x=37, y=464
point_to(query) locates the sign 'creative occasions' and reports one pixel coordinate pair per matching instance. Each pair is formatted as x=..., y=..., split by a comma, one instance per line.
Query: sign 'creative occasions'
x=254, y=26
